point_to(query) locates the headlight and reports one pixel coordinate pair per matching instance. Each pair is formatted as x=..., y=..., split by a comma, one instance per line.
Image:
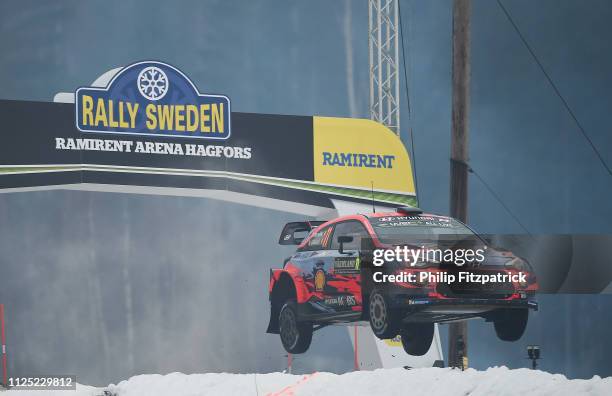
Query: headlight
x=518, y=264
x=420, y=283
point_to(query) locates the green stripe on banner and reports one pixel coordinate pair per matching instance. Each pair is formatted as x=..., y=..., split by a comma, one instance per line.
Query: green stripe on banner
x=379, y=196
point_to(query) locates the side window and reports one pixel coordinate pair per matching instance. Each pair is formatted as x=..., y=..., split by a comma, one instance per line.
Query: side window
x=321, y=239
x=352, y=228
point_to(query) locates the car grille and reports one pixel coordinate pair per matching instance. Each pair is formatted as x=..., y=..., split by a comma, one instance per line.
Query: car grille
x=495, y=290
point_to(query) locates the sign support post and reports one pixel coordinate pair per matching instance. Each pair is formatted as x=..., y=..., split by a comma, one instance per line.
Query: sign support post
x=3, y=340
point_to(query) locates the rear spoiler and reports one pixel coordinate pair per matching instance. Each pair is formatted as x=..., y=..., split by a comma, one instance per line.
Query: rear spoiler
x=288, y=235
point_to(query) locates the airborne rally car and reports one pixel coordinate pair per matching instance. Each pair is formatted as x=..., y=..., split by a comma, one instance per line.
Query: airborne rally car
x=335, y=276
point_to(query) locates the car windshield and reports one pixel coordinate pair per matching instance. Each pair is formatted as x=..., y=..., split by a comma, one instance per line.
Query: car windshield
x=420, y=230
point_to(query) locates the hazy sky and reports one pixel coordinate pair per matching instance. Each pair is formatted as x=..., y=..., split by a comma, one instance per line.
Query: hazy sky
x=289, y=57
x=73, y=258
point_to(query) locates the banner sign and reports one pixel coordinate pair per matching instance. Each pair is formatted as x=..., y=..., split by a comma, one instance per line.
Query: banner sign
x=151, y=127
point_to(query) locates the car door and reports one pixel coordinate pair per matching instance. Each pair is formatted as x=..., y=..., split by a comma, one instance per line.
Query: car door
x=346, y=265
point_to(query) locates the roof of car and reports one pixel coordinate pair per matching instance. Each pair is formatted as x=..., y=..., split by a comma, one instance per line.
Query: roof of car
x=378, y=215
x=386, y=214
x=399, y=214
x=367, y=216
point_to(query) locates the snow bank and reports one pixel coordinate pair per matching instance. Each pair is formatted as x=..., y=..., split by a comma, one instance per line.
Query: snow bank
x=429, y=381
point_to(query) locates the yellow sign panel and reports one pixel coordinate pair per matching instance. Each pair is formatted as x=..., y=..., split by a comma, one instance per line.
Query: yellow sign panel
x=395, y=341
x=356, y=152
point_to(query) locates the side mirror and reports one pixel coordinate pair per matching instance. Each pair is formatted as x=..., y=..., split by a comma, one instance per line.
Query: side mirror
x=342, y=240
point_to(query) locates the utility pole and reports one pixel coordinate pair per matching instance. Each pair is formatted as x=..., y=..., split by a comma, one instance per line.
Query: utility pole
x=457, y=332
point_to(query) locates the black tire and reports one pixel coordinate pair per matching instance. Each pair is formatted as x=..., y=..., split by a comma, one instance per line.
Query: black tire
x=295, y=336
x=510, y=324
x=384, y=321
x=417, y=338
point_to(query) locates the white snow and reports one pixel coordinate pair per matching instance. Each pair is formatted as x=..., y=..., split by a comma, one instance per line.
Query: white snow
x=429, y=381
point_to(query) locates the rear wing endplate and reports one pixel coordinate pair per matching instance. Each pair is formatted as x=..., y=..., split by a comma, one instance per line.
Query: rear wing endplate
x=294, y=233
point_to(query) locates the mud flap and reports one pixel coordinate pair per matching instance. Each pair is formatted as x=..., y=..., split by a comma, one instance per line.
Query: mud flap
x=273, y=324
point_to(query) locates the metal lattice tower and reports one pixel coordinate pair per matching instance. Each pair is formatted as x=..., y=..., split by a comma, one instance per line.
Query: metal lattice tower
x=383, y=40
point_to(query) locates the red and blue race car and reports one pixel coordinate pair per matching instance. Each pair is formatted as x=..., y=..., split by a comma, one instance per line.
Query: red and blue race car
x=332, y=278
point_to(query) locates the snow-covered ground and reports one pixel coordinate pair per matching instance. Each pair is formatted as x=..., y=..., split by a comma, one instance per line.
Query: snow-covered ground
x=429, y=381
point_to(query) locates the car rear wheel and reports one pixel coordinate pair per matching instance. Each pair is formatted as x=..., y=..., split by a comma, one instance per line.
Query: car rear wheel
x=295, y=336
x=384, y=321
x=510, y=324
x=417, y=338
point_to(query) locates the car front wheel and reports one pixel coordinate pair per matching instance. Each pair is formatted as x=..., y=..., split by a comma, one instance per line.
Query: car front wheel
x=384, y=321
x=510, y=324
x=417, y=338
x=295, y=336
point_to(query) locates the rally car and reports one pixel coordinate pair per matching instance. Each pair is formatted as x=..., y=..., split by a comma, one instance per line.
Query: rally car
x=331, y=279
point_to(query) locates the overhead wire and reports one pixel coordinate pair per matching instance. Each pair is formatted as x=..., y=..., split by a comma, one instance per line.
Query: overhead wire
x=555, y=89
x=498, y=199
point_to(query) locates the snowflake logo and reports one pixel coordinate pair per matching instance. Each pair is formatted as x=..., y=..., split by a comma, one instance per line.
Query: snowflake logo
x=153, y=83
